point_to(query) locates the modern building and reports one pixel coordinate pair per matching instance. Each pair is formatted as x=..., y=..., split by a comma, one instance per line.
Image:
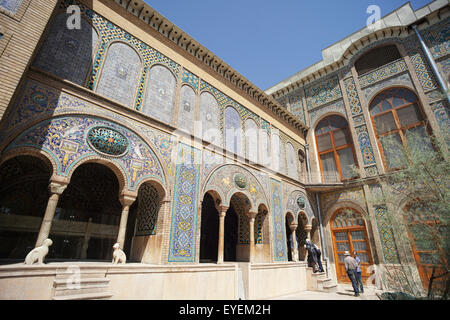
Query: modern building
x=118, y=127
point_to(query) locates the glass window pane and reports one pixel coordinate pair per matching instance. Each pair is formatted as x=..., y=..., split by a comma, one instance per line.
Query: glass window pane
x=337, y=122
x=408, y=96
x=328, y=163
x=342, y=246
x=347, y=162
x=418, y=140
x=364, y=257
x=358, y=235
x=359, y=246
x=385, y=105
x=341, y=236
x=397, y=102
x=385, y=123
x=393, y=150
x=341, y=137
x=409, y=115
x=323, y=126
x=324, y=142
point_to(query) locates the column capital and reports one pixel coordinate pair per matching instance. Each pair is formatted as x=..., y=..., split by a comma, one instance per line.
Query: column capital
x=308, y=227
x=222, y=210
x=127, y=198
x=252, y=215
x=293, y=226
x=57, y=187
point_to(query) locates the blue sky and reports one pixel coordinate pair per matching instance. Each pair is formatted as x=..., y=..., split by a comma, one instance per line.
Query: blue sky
x=268, y=41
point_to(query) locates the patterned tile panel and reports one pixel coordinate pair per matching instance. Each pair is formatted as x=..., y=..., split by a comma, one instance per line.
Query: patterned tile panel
x=437, y=38
x=421, y=67
x=365, y=145
x=335, y=107
x=190, y=78
x=355, y=195
x=224, y=182
x=279, y=232
x=183, y=230
x=383, y=73
x=326, y=91
x=386, y=235
x=363, y=139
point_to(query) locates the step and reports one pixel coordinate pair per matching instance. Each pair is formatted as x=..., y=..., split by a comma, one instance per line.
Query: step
x=85, y=296
x=71, y=292
x=330, y=288
x=86, y=282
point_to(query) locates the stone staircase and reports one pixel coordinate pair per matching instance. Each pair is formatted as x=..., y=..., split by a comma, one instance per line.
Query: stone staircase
x=84, y=284
x=320, y=282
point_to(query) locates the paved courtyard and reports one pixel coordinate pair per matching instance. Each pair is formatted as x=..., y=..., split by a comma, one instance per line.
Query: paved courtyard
x=343, y=293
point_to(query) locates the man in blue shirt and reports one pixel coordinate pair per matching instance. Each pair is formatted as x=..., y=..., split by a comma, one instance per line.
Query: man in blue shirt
x=358, y=272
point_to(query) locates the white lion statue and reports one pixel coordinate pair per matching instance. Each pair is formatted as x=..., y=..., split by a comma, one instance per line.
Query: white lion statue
x=118, y=255
x=38, y=254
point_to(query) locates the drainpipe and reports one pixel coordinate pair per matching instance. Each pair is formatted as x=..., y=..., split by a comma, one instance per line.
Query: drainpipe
x=433, y=65
x=322, y=240
x=308, y=169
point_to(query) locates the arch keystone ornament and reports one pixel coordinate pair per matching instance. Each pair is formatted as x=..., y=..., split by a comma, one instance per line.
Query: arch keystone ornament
x=240, y=181
x=107, y=141
x=301, y=202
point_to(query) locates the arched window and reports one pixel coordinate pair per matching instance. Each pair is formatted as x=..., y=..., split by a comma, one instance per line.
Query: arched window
x=233, y=130
x=120, y=74
x=335, y=147
x=376, y=58
x=397, y=118
x=160, y=96
x=68, y=53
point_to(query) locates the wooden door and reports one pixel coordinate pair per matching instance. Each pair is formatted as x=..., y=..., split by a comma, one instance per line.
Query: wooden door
x=349, y=234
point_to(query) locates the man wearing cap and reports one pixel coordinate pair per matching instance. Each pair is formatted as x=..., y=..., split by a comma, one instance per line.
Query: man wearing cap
x=350, y=266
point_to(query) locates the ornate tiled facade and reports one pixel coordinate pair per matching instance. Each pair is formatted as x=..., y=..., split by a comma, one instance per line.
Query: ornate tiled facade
x=160, y=122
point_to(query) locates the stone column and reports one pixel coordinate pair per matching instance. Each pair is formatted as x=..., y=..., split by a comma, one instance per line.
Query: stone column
x=308, y=229
x=222, y=214
x=56, y=188
x=293, y=228
x=126, y=199
x=252, y=216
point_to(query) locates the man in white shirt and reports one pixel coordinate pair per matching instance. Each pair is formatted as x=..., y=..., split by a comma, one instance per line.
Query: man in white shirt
x=350, y=266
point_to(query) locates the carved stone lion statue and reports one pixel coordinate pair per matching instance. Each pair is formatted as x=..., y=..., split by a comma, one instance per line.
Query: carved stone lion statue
x=38, y=254
x=118, y=255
